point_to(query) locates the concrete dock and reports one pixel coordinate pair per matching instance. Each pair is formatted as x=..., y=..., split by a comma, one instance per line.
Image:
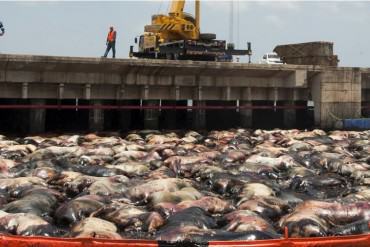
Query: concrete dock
x=41, y=81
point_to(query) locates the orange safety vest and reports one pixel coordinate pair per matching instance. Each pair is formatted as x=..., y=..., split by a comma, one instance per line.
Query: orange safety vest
x=111, y=36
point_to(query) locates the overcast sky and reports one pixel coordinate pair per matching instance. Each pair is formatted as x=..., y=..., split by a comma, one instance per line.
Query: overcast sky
x=80, y=28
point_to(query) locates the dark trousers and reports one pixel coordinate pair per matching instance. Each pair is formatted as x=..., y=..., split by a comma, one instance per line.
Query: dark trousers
x=111, y=45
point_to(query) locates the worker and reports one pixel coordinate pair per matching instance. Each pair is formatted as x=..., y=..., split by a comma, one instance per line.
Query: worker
x=111, y=42
x=2, y=29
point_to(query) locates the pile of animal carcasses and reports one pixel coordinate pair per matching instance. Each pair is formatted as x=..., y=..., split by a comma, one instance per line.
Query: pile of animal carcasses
x=221, y=185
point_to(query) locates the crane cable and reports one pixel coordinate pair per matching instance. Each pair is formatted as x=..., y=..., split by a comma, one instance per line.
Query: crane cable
x=168, y=7
x=160, y=7
x=231, y=22
x=237, y=24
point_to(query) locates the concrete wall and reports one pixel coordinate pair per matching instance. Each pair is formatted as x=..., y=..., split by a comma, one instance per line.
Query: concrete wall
x=337, y=95
x=337, y=92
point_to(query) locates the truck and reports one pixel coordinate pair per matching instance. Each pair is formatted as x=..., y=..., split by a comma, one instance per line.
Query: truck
x=271, y=58
x=177, y=36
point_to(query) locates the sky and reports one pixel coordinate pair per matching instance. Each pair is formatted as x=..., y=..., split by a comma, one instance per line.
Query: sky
x=70, y=28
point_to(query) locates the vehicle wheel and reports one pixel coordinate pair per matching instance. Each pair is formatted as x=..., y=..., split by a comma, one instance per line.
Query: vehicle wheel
x=169, y=56
x=207, y=36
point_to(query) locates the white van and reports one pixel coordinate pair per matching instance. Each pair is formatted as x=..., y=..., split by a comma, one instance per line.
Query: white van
x=271, y=58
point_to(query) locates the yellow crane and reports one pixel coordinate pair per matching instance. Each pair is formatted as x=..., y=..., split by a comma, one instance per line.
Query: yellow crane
x=177, y=36
x=177, y=24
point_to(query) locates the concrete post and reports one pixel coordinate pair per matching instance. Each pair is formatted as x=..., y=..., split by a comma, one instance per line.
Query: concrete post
x=37, y=117
x=366, y=111
x=168, y=117
x=289, y=115
x=336, y=95
x=124, y=116
x=199, y=117
x=96, y=117
x=246, y=115
x=151, y=115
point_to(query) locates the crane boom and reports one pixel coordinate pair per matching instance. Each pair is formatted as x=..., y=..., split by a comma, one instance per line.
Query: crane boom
x=176, y=25
x=197, y=13
x=177, y=8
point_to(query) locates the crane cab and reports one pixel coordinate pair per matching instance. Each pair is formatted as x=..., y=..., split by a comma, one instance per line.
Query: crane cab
x=148, y=42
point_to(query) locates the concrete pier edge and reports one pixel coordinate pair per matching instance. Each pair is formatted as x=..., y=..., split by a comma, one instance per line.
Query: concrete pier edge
x=337, y=92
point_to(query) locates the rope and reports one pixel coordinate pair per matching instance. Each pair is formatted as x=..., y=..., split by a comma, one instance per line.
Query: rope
x=335, y=117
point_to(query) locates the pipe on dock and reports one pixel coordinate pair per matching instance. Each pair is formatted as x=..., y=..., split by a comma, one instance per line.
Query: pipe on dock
x=150, y=107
